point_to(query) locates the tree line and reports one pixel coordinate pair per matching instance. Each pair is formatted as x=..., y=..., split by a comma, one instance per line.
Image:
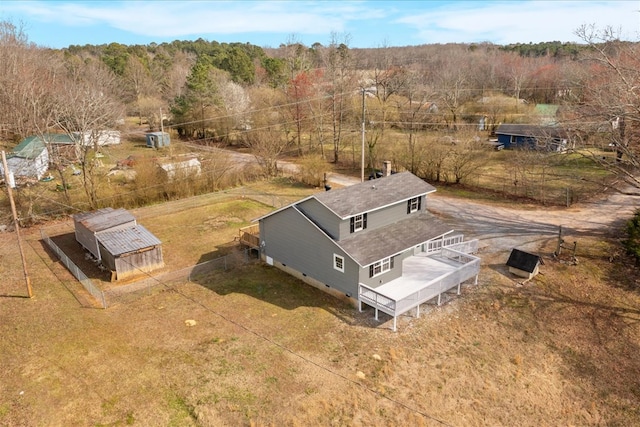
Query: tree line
x=314, y=99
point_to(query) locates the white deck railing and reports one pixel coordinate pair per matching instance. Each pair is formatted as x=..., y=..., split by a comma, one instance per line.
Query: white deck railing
x=434, y=246
x=453, y=242
x=469, y=267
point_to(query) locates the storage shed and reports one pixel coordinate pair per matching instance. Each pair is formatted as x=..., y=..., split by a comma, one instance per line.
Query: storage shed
x=523, y=264
x=129, y=251
x=158, y=139
x=88, y=225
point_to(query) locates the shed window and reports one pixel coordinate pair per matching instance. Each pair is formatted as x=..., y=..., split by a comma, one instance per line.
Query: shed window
x=358, y=222
x=338, y=262
x=413, y=205
x=380, y=267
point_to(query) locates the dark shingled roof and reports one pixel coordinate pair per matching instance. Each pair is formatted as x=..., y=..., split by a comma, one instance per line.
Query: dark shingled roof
x=126, y=240
x=369, y=246
x=523, y=260
x=373, y=194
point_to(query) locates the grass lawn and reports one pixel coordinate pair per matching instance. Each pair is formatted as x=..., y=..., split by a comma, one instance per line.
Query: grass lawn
x=253, y=346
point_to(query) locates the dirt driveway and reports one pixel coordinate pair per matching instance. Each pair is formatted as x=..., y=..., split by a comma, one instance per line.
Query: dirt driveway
x=500, y=228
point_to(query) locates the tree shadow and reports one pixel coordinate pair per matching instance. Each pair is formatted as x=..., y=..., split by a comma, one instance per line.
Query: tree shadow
x=595, y=337
x=241, y=272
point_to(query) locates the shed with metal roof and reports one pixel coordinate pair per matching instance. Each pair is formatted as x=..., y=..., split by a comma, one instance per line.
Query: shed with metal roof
x=129, y=251
x=88, y=225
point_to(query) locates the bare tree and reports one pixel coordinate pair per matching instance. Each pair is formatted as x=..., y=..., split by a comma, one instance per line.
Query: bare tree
x=609, y=114
x=415, y=110
x=87, y=104
x=28, y=76
x=516, y=70
x=341, y=84
x=465, y=158
x=140, y=86
x=451, y=80
x=172, y=73
x=267, y=139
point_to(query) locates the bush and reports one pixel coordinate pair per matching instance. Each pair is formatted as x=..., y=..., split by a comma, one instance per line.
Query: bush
x=312, y=169
x=632, y=243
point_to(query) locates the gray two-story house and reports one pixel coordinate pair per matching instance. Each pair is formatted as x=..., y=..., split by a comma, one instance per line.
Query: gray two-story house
x=373, y=243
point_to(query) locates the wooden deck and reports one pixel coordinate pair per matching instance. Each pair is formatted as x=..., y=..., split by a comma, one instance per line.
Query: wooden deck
x=250, y=236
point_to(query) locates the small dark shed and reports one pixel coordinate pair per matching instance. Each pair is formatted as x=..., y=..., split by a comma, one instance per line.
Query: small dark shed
x=523, y=264
x=88, y=225
x=130, y=251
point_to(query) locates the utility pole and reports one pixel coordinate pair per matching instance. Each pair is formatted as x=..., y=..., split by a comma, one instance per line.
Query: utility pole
x=16, y=224
x=362, y=160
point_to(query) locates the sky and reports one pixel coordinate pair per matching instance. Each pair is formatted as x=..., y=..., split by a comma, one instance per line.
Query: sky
x=359, y=24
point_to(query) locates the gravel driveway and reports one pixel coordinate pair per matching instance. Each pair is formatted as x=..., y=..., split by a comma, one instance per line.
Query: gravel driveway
x=500, y=228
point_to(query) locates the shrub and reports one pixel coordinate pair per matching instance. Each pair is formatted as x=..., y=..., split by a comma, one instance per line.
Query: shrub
x=632, y=242
x=312, y=170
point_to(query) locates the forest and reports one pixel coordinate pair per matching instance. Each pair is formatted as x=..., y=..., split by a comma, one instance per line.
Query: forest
x=421, y=107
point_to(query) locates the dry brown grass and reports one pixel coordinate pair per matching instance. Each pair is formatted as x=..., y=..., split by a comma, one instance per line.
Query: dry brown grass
x=267, y=350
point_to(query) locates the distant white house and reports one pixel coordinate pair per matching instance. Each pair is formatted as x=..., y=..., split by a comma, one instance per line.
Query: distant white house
x=102, y=137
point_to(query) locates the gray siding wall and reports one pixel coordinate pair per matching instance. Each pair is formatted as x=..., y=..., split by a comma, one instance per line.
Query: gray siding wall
x=323, y=217
x=383, y=278
x=292, y=240
x=381, y=217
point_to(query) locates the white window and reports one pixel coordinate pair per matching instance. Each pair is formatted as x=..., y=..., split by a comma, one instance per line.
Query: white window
x=414, y=204
x=338, y=262
x=380, y=267
x=358, y=222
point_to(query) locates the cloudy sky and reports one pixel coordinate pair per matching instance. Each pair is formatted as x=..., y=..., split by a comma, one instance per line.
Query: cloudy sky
x=269, y=23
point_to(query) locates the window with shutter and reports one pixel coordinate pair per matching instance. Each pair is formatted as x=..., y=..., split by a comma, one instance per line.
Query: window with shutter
x=380, y=267
x=358, y=222
x=413, y=205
